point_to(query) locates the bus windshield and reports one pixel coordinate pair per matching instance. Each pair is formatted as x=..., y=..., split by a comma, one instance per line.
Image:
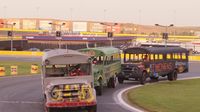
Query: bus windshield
x=67, y=70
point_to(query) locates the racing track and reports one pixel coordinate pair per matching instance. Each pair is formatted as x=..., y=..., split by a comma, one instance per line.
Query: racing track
x=24, y=93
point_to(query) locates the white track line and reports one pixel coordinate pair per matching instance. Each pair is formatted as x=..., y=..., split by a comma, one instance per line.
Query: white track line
x=125, y=105
x=20, y=102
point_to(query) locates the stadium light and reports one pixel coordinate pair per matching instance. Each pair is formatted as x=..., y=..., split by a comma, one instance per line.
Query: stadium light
x=59, y=32
x=165, y=35
x=110, y=34
x=10, y=33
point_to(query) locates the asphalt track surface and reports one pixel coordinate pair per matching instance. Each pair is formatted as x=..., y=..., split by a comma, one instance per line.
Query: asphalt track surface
x=24, y=94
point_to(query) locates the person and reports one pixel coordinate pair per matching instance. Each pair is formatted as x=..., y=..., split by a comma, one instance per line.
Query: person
x=145, y=58
x=77, y=71
x=94, y=61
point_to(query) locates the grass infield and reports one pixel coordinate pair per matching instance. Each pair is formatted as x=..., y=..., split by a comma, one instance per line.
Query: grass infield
x=24, y=68
x=177, y=96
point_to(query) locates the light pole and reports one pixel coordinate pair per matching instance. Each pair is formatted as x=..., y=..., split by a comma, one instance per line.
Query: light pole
x=10, y=34
x=59, y=32
x=110, y=34
x=165, y=35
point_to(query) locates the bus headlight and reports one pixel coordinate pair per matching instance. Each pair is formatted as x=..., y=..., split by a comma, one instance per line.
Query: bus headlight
x=56, y=92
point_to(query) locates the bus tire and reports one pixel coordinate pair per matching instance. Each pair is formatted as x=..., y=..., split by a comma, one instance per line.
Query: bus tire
x=174, y=75
x=143, y=78
x=99, y=89
x=154, y=78
x=109, y=83
x=92, y=109
x=113, y=82
x=48, y=109
x=170, y=76
x=121, y=80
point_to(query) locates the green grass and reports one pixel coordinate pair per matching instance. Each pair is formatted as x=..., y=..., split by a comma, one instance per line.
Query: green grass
x=178, y=96
x=24, y=68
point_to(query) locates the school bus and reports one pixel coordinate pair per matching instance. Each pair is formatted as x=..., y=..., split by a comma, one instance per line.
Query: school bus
x=106, y=66
x=143, y=62
x=67, y=81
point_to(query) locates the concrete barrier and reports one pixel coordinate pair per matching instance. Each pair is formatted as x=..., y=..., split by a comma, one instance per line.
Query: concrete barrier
x=28, y=53
x=21, y=53
x=194, y=58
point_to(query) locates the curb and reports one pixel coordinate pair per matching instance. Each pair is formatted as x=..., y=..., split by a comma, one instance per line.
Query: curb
x=123, y=103
x=16, y=76
x=126, y=106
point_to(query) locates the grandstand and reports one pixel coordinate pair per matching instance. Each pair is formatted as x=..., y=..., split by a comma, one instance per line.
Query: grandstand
x=34, y=27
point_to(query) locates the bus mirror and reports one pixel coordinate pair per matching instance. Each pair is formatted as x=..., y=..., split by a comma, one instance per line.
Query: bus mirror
x=47, y=62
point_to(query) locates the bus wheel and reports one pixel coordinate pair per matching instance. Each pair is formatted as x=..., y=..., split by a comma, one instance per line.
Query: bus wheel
x=99, y=88
x=92, y=109
x=121, y=80
x=175, y=75
x=143, y=78
x=113, y=82
x=172, y=76
x=50, y=109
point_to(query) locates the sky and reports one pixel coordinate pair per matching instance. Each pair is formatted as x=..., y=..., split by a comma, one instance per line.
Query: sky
x=146, y=12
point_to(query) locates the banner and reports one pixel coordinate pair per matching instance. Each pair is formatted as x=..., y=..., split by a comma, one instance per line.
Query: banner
x=34, y=68
x=13, y=70
x=64, y=26
x=1, y=21
x=79, y=26
x=44, y=25
x=2, y=71
x=29, y=24
x=11, y=21
x=97, y=27
x=115, y=28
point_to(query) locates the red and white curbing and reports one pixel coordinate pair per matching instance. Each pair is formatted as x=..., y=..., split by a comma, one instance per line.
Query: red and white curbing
x=126, y=106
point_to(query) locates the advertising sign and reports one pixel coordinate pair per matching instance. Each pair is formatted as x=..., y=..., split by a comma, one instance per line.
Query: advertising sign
x=65, y=26
x=114, y=28
x=13, y=70
x=127, y=28
x=11, y=21
x=79, y=26
x=97, y=27
x=29, y=24
x=2, y=71
x=44, y=25
x=1, y=21
x=34, y=68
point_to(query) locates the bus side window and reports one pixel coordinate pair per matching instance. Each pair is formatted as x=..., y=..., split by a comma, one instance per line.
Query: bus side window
x=168, y=56
x=161, y=56
x=183, y=55
x=106, y=60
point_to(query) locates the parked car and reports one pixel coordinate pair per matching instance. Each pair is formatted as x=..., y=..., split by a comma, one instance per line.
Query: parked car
x=46, y=50
x=34, y=49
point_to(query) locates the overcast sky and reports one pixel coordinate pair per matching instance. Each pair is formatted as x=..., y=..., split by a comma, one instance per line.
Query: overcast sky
x=178, y=12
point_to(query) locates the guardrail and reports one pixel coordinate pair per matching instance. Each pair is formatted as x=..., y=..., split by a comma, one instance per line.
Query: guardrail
x=21, y=53
x=28, y=53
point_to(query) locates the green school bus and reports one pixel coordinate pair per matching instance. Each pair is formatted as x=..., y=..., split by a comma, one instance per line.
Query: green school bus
x=106, y=66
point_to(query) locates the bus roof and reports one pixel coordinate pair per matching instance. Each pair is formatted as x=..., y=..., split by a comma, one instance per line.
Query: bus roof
x=102, y=51
x=155, y=50
x=64, y=56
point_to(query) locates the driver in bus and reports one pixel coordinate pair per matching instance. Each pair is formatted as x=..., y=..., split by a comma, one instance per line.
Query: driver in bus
x=145, y=58
x=77, y=72
x=94, y=61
